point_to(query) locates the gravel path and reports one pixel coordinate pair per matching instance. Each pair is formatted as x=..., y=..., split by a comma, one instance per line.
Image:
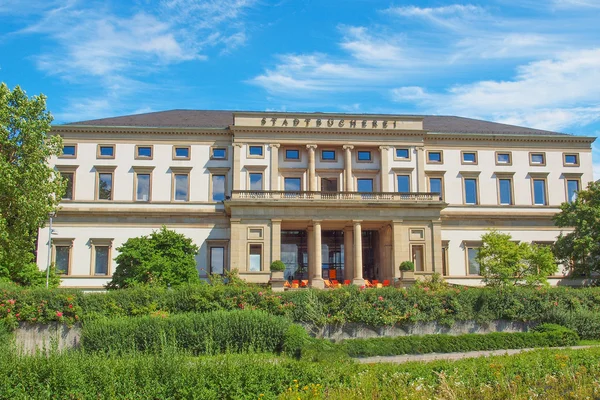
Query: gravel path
x=451, y=356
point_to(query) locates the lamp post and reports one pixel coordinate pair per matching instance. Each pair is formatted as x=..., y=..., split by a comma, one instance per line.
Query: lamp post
x=50, y=215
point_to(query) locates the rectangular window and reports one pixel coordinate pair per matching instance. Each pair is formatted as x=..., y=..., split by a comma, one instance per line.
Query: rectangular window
x=181, y=153
x=106, y=151
x=218, y=187
x=62, y=257
x=105, y=185
x=572, y=189
x=402, y=154
x=505, y=188
x=571, y=160
x=69, y=151
x=435, y=185
x=364, y=155
x=328, y=155
x=417, y=257
x=292, y=154
x=255, y=151
x=255, y=258
x=143, y=187
x=473, y=266
x=329, y=185
x=434, y=157
x=364, y=185
x=403, y=183
x=101, y=260
x=181, y=182
x=218, y=153
x=217, y=260
x=539, y=192
x=537, y=159
x=143, y=152
x=469, y=157
x=256, y=181
x=470, y=191
x=503, y=158
x=292, y=184
x=68, y=177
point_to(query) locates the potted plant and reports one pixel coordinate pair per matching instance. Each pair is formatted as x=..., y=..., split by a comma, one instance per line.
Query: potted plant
x=406, y=266
x=277, y=279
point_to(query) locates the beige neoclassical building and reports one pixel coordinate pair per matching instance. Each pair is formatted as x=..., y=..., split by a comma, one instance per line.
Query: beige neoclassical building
x=334, y=196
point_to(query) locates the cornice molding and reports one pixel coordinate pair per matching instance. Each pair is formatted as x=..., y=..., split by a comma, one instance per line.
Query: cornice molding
x=138, y=130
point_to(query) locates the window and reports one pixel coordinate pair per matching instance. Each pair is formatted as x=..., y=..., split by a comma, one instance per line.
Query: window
x=572, y=189
x=434, y=157
x=292, y=184
x=181, y=191
x=292, y=154
x=327, y=155
x=218, y=153
x=503, y=158
x=143, y=187
x=218, y=187
x=470, y=190
x=255, y=151
x=69, y=177
x=363, y=155
x=255, y=258
x=537, y=159
x=256, y=181
x=435, y=185
x=403, y=183
x=364, y=185
x=61, y=249
x=472, y=264
x=181, y=152
x=571, y=160
x=106, y=151
x=469, y=157
x=417, y=254
x=101, y=256
x=143, y=152
x=505, y=191
x=69, y=151
x=104, y=189
x=539, y=192
x=255, y=233
x=217, y=260
x=402, y=154
x=329, y=184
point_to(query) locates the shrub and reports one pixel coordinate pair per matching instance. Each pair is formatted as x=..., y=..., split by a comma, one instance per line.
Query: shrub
x=407, y=266
x=294, y=340
x=277, y=266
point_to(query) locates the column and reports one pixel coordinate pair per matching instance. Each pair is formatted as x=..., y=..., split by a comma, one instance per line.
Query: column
x=398, y=254
x=348, y=167
x=385, y=169
x=275, y=239
x=317, y=279
x=310, y=239
x=437, y=246
x=358, y=265
x=421, y=184
x=312, y=178
x=348, y=254
x=236, y=175
x=274, y=166
x=237, y=246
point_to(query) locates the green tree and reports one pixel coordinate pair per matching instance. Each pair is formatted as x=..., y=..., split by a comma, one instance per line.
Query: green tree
x=164, y=258
x=29, y=187
x=580, y=248
x=503, y=262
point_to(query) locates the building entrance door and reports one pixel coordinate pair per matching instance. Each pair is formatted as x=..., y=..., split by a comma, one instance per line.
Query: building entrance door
x=332, y=255
x=369, y=255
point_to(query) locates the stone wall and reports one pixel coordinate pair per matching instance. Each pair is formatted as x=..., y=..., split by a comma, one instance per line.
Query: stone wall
x=30, y=337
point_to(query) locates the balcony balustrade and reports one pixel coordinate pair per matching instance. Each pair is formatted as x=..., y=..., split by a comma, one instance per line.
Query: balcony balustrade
x=334, y=196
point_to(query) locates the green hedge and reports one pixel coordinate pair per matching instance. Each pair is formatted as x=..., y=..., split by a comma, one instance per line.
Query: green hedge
x=375, y=307
x=207, y=333
x=547, y=336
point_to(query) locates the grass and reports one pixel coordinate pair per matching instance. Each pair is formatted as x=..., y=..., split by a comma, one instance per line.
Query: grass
x=588, y=343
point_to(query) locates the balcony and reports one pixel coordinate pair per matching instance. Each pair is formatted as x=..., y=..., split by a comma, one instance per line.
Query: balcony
x=303, y=196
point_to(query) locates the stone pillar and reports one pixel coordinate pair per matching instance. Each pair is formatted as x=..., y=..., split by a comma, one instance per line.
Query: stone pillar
x=348, y=254
x=348, y=167
x=311, y=253
x=436, y=243
x=274, y=166
x=421, y=184
x=317, y=279
x=397, y=241
x=358, y=265
x=385, y=169
x=275, y=239
x=236, y=175
x=237, y=252
x=312, y=177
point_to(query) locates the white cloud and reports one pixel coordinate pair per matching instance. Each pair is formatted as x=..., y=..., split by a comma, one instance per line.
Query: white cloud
x=576, y=3
x=454, y=17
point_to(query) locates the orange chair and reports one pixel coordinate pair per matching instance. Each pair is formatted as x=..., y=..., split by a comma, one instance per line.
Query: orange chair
x=386, y=282
x=287, y=284
x=347, y=282
x=334, y=282
x=327, y=283
x=368, y=283
x=332, y=274
x=304, y=283
x=374, y=282
x=295, y=284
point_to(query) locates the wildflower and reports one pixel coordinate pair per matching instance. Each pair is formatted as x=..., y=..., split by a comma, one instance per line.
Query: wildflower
x=59, y=314
x=380, y=298
x=426, y=289
x=70, y=305
x=260, y=293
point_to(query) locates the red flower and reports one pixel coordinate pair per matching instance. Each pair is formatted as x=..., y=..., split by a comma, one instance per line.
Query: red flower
x=426, y=289
x=59, y=314
x=380, y=298
x=70, y=305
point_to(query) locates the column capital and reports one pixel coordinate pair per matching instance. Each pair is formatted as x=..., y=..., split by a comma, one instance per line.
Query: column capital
x=317, y=221
x=356, y=221
x=274, y=145
x=235, y=220
x=238, y=145
x=348, y=147
x=275, y=221
x=421, y=148
x=384, y=148
x=311, y=146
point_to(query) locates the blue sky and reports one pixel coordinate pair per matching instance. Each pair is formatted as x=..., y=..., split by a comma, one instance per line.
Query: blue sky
x=527, y=62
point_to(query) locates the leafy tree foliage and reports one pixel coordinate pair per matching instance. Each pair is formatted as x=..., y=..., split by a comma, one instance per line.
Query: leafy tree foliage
x=29, y=187
x=581, y=247
x=164, y=258
x=503, y=262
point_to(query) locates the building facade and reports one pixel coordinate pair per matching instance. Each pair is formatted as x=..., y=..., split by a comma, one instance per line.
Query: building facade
x=334, y=196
